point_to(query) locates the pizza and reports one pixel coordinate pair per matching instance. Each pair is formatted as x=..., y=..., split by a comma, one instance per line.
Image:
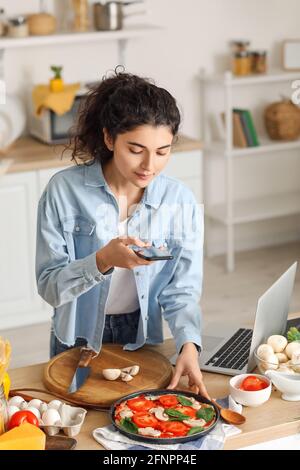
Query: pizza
x=164, y=416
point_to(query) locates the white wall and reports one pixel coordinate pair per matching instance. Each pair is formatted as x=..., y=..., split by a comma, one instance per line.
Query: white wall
x=196, y=35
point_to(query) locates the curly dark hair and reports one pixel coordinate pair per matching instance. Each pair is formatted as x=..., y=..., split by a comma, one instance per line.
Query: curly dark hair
x=121, y=102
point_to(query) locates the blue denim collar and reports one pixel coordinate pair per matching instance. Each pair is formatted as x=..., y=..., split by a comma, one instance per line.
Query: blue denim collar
x=93, y=176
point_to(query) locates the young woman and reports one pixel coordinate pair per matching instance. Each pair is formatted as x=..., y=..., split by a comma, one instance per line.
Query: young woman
x=91, y=214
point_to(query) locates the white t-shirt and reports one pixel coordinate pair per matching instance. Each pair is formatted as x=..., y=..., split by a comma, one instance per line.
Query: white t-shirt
x=122, y=296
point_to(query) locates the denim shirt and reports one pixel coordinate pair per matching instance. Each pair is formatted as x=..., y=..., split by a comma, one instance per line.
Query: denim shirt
x=77, y=215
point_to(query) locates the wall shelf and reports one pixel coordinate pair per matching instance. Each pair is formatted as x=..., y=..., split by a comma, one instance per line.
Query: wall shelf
x=71, y=38
x=260, y=208
x=272, y=76
x=266, y=146
x=233, y=212
x=122, y=36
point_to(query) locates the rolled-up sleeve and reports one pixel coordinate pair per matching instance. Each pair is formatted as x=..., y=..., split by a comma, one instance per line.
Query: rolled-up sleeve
x=60, y=280
x=181, y=296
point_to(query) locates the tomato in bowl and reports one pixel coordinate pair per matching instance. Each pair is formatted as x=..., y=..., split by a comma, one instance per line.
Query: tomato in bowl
x=250, y=389
x=253, y=383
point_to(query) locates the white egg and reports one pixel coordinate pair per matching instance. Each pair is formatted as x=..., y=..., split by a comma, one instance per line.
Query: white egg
x=12, y=410
x=24, y=405
x=43, y=408
x=15, y=401
x=55, y=404
x=35, y=411
x=50, y=417
x=35, y=403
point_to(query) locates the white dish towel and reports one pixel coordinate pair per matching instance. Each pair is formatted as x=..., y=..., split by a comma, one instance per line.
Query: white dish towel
x=111, y=439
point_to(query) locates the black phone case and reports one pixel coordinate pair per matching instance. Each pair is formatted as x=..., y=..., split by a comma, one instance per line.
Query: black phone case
x=154, y=258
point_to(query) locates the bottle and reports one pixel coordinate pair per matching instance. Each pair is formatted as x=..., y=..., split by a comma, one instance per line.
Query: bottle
x=3, y=411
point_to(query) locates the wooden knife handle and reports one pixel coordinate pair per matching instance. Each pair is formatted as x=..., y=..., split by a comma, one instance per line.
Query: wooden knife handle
x=86, y=355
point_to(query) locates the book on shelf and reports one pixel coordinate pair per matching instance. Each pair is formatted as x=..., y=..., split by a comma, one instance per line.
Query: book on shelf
x=243, y=129
x=248, y=126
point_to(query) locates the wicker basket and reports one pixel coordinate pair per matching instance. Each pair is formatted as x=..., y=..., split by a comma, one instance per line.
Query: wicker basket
x=282, y=120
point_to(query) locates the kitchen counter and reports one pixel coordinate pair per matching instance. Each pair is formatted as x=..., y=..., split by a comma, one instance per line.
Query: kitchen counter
x=274, y=419
x=28, y=154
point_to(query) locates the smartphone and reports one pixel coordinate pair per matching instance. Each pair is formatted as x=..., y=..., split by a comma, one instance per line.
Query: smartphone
x=151, y=253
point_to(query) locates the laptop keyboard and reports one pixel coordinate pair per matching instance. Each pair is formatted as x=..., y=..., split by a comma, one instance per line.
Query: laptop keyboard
x=235, y=353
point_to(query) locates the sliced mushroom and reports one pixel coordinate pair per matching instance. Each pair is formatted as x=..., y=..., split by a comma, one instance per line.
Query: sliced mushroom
x=126, y=377
x=194, y=423
x=127, y=413
x=196, y=405
x=132, y=370
x=159, y=413
x=111, y=374
x=149, y=432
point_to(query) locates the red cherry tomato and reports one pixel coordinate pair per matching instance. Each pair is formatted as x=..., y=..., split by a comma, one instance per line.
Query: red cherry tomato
x=144, y=420
x=21, y=417
x=140, y=404
x=168, y=401
x=253, y=384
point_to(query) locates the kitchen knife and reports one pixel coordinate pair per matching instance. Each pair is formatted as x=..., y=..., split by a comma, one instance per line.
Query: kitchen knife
x=83, y=370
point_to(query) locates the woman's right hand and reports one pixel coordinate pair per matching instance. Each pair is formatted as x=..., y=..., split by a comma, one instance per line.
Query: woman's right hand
x=117, y=254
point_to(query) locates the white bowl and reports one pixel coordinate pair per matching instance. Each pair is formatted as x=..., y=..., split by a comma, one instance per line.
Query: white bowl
x=254, y=398
x=288, y=385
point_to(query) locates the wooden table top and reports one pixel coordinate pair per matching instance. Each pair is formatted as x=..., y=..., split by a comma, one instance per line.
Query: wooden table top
x=28, y=154
x=274, y=419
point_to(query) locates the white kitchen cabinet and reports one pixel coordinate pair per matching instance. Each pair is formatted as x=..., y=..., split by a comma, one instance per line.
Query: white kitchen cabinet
x=19, y=301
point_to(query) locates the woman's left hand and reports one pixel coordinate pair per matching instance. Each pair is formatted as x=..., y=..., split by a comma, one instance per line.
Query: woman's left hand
x=188, y=364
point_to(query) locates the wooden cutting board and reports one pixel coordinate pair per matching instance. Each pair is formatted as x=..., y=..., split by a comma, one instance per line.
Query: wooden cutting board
x=97, y=392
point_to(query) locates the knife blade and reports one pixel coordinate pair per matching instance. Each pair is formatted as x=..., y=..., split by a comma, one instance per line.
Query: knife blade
x=83, y=369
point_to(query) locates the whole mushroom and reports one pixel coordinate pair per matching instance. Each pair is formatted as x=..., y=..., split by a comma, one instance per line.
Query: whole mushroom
x=263, y=350
x=269, y=362
x=291, y=348
x=277, y=342
x=282, y=357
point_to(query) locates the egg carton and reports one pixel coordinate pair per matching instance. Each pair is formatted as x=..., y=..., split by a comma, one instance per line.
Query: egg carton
x=71, y=421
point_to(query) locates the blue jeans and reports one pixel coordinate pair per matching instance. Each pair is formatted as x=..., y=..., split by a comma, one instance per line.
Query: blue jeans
x=119, y=329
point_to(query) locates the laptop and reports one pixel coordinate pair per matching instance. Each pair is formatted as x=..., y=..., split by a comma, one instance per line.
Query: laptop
x=229, y=350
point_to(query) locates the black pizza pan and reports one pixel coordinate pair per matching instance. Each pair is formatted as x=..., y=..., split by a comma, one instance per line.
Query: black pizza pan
x=157, y=440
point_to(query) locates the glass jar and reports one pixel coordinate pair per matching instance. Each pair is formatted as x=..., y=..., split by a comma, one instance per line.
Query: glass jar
x=2, y=22
x=18, y=27
x=241, y=63
x=81, y=19
x=240, y=45
x=3, y=410
x=259, y=61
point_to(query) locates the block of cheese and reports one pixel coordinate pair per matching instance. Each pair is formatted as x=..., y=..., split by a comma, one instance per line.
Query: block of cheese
x=24, y=437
